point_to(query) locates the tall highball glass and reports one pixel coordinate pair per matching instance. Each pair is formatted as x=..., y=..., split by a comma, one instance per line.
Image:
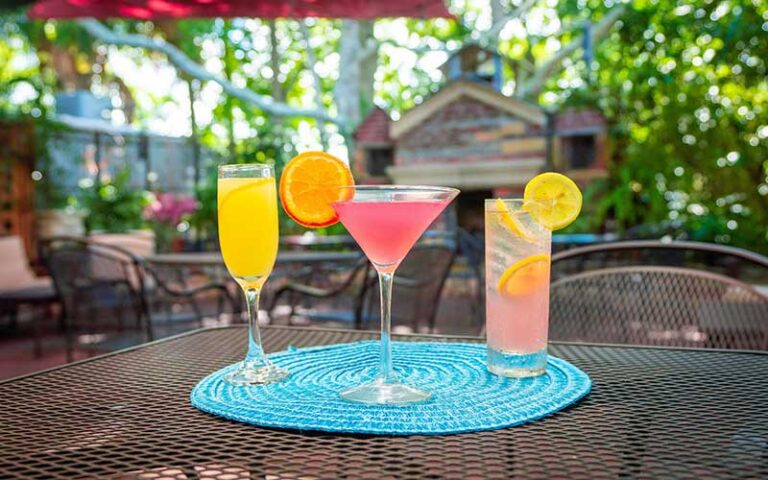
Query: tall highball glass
x=517, y=265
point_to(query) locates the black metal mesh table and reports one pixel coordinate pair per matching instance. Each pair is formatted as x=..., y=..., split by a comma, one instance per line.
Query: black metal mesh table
x=653, y=413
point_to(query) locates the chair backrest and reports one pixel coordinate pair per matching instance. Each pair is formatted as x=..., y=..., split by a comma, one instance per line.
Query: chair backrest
x=658, y=306
x=733, y=262
x=418, y=284
x=75, y=264
x=16, y=271
x=472, y=248
x=141, y=243
x=97, y=261
x=97, y=283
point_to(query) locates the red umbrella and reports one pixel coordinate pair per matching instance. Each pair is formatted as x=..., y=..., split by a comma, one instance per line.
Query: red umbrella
x=164, y=9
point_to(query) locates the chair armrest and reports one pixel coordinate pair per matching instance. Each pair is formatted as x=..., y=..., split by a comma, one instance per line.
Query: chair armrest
x=307, y=290
x=189, y=292
x=409, y=282
x=316, y=292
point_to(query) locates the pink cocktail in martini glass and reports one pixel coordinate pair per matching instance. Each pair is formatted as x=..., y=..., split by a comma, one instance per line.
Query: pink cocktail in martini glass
x=386, y=221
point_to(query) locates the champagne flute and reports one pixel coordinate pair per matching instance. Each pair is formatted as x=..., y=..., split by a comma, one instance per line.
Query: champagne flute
x=248, y=234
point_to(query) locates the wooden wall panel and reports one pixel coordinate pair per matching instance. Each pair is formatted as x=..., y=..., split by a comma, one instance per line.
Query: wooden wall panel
x=17, y=156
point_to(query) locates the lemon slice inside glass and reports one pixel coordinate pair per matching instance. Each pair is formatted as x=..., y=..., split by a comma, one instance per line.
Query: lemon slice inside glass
x=553, y=200
x=525, y=276
x=512, y=223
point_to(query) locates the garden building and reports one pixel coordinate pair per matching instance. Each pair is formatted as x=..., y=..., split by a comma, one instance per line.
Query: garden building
x=471, y=136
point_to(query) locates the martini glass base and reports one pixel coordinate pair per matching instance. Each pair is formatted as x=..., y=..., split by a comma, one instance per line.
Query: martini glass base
x=255, y=375
x=381, y=393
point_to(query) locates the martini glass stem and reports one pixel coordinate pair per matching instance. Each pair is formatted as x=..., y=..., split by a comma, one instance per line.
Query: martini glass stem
x=386, y=373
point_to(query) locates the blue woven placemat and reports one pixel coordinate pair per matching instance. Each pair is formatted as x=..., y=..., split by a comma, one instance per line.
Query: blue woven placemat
x=465, y=397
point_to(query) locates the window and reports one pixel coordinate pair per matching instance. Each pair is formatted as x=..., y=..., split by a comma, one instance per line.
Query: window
x=377, y=159
x=579, y=151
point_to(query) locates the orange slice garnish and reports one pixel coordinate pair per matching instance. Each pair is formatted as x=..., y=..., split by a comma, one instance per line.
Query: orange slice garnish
x=525, y=276
x=309, y=186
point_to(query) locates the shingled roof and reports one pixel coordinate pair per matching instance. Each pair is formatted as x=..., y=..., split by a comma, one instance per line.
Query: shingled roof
x=474, y=90
x=375, y=129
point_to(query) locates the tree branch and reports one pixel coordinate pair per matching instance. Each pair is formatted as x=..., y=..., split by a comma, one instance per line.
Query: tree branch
x=490, y=37
x=186, y=65
x=536, y=83
x=421, y=49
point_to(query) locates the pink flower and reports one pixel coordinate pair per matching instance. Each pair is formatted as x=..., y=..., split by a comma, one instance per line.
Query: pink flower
x=169, y=208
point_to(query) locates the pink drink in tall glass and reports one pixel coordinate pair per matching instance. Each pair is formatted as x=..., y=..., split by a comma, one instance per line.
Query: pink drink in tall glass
x=517, y=263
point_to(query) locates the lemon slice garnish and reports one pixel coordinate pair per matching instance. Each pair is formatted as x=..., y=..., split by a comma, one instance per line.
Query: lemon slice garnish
x=553, y=200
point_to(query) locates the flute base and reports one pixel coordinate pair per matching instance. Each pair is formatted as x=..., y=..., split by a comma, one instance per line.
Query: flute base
x=380, y=392
x=249, y=373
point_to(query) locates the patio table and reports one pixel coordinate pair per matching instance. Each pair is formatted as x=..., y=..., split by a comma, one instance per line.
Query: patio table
x=652, y=413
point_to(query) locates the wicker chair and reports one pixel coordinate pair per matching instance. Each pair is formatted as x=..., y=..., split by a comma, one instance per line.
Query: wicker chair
x=665, y=306
x=98, y=284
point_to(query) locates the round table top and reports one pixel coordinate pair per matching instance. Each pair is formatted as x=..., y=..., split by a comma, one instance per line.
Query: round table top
x=215, y=259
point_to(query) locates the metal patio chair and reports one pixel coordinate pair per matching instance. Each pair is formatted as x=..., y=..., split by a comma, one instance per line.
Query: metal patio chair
x=417, y=287
x=100, y=285
x=472, y=249
x=416, y=290
x=20, y=287
x=733, y=262
x=665, y=306
x=343, y=295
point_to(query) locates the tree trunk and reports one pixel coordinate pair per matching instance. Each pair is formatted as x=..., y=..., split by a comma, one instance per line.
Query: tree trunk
x=274, y=63
x=62, y=61
x=357, y=66
x=126, y=97
x=228, y=60
x=278, y=92
x=348, y=84
x=316, y=84
x=368, y=64
x=497, y=12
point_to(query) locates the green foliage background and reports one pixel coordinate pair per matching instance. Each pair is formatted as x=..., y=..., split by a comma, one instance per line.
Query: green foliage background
x=113, y=206
x=682, y=84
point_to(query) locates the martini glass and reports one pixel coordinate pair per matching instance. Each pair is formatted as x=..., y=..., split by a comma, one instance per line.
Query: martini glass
x=386, y=221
